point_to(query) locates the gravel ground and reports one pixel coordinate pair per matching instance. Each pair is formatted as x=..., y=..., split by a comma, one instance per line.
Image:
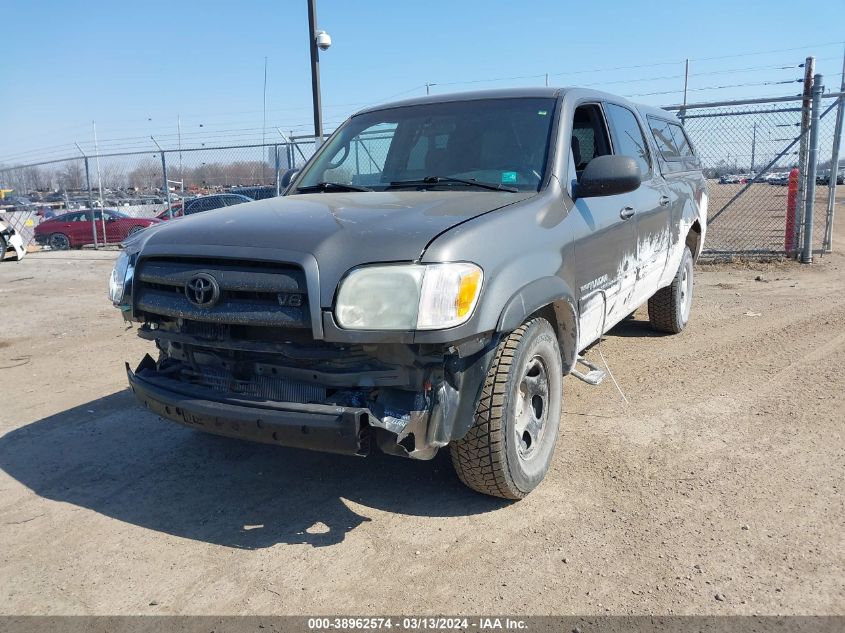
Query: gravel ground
x=717, y=489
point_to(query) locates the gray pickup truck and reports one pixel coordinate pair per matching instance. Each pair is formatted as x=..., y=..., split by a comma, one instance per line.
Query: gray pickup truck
x=427, y=279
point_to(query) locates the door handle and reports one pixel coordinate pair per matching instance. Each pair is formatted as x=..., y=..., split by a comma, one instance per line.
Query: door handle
x=664, y=201
x=626, y=213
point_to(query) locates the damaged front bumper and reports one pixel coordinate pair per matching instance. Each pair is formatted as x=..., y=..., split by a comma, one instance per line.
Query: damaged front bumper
x=326, y=428
x=351, y=421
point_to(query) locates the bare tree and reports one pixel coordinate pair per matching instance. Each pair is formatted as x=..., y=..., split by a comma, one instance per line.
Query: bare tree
x=146, y=175
x=71, y=176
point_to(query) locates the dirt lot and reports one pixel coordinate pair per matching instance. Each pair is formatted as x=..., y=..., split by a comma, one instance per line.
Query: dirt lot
x=721, y=477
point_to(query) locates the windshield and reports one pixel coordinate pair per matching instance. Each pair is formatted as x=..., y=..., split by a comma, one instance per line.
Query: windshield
x=494, y=141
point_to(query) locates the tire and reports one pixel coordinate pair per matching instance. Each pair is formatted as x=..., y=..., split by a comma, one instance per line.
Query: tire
x=669, y=308
x=59, y=242
x=3, y=248
x=509, y=448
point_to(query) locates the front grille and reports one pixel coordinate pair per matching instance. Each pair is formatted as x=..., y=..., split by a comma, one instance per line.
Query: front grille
x=250, y=293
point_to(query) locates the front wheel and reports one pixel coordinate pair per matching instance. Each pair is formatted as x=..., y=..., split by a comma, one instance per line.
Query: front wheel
x=509, y=448
x=59, y=242
x=3, y=248
x=669, y=308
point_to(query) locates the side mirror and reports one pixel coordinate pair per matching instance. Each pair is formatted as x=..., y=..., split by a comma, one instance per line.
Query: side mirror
x=287, y=177
x=609, y=176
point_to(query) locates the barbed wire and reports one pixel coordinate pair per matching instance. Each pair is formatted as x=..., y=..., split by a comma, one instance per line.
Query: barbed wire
x=218, y=131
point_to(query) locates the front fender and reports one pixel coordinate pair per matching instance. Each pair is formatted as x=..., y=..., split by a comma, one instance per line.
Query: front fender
x=539, y=294
x=530, y=298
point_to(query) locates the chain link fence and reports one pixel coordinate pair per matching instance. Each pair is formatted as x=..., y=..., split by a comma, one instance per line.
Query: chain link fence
x=748, y=151
x=747, y=148
x=112, y=192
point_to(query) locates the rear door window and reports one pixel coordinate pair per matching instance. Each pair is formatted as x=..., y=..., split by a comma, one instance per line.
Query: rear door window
x=201, y=204
x=232, y=200
x=664, y=139
x=675, y=151
x=681, y=141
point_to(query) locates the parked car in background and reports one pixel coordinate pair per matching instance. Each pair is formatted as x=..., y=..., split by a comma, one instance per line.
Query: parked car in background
x=204, y=203
x=824, y=178
x=17, y=203
x=73, y=230
x=256, y=193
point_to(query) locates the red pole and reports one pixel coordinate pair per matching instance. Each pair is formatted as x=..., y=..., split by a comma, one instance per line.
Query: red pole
x=789, y=236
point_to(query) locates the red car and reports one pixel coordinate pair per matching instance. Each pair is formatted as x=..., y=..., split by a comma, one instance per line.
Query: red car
x=73, y=230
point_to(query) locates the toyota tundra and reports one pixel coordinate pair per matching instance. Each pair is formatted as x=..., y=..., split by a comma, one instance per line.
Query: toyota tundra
x=427, y=279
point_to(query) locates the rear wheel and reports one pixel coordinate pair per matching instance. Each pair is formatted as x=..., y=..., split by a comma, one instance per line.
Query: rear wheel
x=669, y=308
x=509, y=448
x=59, y=242
x=3, y=248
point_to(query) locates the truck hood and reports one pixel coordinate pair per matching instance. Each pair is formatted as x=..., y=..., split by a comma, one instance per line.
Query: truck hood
x=341, y=230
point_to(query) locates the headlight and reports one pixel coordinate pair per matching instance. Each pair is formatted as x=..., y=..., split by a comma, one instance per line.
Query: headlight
x=117, y=280
x=408, y=296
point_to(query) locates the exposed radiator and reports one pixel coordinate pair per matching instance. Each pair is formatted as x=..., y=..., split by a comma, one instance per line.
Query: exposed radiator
x=265, y=387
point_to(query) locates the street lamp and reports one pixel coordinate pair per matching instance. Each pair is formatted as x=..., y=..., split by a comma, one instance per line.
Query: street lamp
x=319, y=41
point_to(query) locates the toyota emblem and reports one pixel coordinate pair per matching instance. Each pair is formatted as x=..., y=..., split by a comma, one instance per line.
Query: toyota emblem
x=202, y=290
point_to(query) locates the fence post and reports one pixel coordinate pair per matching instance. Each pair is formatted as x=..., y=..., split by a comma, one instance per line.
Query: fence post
x=90, y=202
x=166, y=184
x=293, y=148
x=827, y=244
x=809, y=66
x=812, y=163
x=166, y=181
x=90, y=199
x=278, y=168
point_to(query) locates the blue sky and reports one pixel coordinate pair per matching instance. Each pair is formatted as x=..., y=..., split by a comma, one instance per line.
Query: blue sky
x=134, y=67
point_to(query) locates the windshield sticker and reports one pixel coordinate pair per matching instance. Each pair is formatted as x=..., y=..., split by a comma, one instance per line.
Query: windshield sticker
x=508, y=177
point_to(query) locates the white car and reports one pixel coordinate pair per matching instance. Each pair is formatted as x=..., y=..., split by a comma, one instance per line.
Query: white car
x=10, y=240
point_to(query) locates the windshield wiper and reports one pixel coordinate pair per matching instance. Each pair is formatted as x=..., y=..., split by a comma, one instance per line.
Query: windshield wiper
x=331, y=186
x=436, y=180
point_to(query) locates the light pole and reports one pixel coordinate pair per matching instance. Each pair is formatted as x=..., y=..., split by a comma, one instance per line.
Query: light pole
x=319, y=40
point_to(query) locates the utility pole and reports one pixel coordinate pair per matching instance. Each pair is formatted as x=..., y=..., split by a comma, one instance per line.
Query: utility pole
x=264, y=121
x=547, y=80
x=428, y=88
x=181, y=171
x=315, y=70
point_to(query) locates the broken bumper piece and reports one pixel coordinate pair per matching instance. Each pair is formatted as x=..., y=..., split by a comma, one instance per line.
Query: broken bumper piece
x=318, y=427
